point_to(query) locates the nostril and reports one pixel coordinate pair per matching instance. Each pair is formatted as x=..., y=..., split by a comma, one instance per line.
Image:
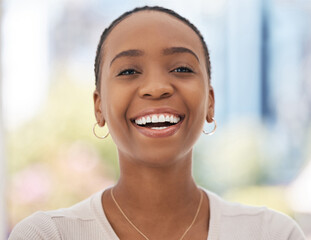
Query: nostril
x=155, y=91
x=165, y=95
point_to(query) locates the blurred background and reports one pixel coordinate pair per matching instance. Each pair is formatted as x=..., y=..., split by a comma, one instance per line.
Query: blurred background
x=261, y=72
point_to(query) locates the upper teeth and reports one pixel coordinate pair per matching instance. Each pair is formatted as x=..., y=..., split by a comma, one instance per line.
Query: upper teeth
x=156, y=118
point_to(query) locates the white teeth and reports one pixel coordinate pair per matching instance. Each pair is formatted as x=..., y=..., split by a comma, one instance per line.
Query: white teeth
x=155, y=119
x=144, y=120
x=158, y=128
x=161, y=118
x=176, y=119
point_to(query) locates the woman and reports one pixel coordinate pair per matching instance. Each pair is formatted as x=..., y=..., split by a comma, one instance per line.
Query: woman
x=153, y=91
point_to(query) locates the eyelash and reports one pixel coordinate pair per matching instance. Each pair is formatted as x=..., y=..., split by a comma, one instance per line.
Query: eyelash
x=181, y=69
x=128, y=72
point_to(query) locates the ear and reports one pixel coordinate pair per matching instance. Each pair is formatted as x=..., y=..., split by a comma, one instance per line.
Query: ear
x=97, y=109
x=211, y=105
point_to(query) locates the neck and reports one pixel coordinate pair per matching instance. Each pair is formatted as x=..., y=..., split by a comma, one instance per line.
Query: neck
x=160, y=190
x=160, y=201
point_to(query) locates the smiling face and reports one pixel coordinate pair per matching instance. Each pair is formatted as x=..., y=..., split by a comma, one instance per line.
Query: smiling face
x=155, y=94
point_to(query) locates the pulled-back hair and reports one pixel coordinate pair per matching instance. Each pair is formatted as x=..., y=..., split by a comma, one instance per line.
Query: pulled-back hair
x=99, y=51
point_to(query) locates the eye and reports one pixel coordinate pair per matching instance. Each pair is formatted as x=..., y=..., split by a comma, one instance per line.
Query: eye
x=182, y=70
x=128, y=72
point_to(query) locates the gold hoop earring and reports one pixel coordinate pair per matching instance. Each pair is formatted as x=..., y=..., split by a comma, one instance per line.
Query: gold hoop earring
x=103, y=137
x=213, y=131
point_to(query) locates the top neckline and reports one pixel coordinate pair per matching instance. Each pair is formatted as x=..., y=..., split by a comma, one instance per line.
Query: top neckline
x=99, y=213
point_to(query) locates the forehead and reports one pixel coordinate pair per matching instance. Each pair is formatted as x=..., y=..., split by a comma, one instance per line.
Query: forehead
x=150, y=31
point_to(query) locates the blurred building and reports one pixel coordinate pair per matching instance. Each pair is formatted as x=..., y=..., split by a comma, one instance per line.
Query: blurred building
x=262, y=73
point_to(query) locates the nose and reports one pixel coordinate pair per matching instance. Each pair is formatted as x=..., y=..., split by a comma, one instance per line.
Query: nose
x=156, y=88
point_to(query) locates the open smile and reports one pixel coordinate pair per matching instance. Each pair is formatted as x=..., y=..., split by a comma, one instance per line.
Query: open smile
x=158, y=124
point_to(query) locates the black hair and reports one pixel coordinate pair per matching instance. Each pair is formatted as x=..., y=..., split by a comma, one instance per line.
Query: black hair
x=106, y=32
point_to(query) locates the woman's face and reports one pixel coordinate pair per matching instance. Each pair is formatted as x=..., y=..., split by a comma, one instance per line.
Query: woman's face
x=153, y=70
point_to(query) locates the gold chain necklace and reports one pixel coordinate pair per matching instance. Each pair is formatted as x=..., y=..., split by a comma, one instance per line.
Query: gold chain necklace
x=132, y=224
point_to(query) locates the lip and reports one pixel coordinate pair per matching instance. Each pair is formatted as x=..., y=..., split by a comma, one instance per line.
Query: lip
x=158, y=133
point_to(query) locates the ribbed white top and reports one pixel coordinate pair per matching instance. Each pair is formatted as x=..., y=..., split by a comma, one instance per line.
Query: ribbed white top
x=87, y=221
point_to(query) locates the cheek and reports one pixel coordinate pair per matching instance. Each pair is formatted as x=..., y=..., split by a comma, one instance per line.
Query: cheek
x=196, y=99
x=196, y=96
x=199, y=106
x=115, y=107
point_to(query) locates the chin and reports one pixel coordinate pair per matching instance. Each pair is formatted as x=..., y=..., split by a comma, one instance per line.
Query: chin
x=156, y=154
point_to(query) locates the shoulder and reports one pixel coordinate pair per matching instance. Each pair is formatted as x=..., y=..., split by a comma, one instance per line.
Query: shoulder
x=56, y=224
x=37, y=226
x=246, y=221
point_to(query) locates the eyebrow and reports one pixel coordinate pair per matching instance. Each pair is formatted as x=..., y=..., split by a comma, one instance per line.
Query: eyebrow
x=166, y=51
x=174, y=50
x=128, y=53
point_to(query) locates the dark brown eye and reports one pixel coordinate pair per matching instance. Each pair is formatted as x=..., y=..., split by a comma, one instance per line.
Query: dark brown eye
x=128, y=72
x=182, y=70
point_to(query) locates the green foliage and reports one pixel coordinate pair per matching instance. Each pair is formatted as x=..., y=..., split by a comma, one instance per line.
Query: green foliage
x=233, y=157
x=273, y=197
x=54, y=158
x=65, y=117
